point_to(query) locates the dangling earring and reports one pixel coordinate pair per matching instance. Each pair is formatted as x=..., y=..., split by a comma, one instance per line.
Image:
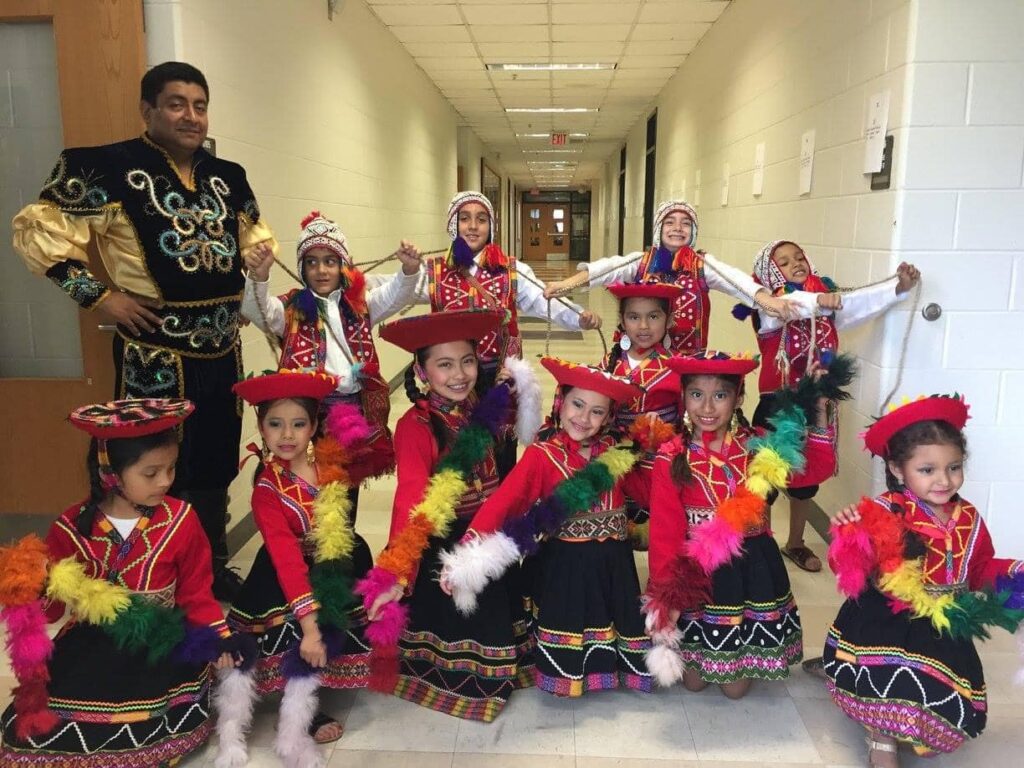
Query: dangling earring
x=625, y=343
x=265, y=453
x=687, y=423
x=734, y=423
x=310, y=453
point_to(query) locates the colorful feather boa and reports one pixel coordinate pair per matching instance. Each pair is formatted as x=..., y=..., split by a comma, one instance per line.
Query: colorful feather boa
x=873, y=549
x=776, y=455
x=475, y=562
x=432, y=516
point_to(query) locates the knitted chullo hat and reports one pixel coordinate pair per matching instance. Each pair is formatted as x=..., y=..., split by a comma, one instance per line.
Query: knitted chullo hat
x=320, y=232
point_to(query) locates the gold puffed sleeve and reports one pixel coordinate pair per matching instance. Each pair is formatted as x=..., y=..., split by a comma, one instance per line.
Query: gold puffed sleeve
x=252, y=233
x=44, y=235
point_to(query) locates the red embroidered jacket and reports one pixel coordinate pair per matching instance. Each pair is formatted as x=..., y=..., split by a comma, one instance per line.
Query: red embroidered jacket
x=957, y=552
x=416, y=455
x=543, y=466
x=169, y=559
x=715, y=477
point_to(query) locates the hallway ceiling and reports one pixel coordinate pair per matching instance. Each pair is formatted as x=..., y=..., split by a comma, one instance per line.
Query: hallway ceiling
x=453, y=40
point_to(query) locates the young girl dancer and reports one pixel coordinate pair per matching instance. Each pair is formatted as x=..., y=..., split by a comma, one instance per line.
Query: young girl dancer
x=477, y=274
x=640, y=355
x=719, y=605
x=327, y=326
x=464, y=666
x=297, y=601
x=787, y=347
x=672, y=259
x=126, y=681
x=587, y=624
x=900, y=656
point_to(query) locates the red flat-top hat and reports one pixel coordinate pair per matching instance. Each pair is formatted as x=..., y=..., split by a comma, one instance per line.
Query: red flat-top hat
x=285, y=384
x=948, y=408
x=712, y=363
x=616, y=388
x=645, y=291
x=412, y=333
x=135, y=417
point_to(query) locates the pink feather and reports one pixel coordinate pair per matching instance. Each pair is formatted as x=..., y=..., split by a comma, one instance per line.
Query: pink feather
x=714, y=544
x=28, y=645
x=851, y=557
x=376, y=582
x=385, y=630
x=346, y=424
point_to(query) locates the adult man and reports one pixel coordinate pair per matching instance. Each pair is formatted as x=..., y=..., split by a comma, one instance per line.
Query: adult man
x=170, y=222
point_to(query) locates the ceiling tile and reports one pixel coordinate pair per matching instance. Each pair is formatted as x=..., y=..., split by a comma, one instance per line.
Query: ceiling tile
x=588, y=32
x=514, y=52
x=597, y=78
x=459, y=79
x=593, y=13
x=439, y=34
x=669, y=11
x=418, y=14
x=519, y=86
x=513, y=77
x=433, y=49
x=505, y=13
x=659, y=47
x=450, y=64
x=650, y=62
x=670, y=31
x=661, y=73
x=604, y=51
x=511, y=33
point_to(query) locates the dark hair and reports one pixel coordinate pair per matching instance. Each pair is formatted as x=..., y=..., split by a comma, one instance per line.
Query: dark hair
x=680, y=469
x=122, y=453
x=308, y=404
x=933, y=432
x=412, y=391
x=616, y=352
x=154, y=80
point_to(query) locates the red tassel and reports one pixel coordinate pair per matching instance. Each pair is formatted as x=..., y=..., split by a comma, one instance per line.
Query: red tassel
x=686, y=588
x=684, y=259
x=355, y=294
x=886, y=532
x=494, y=257
x=306, y=221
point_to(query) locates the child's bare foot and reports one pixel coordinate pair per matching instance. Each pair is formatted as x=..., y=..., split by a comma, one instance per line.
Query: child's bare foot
x=882, y=751
x=324, y=729
x=692, y=681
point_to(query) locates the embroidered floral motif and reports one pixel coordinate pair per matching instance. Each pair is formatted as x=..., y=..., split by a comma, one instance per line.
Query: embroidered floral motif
x=73, y=191
x=77, y=282
x=150, y=372
x=197, y=239
x=203, y=330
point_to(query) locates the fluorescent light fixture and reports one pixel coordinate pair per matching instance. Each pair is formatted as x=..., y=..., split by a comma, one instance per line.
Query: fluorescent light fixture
x=551, y=109
x=539, y=67
x=548, y=135
x=552, y=151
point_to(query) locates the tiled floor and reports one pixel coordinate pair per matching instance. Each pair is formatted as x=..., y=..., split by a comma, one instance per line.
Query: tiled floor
x=783, y=725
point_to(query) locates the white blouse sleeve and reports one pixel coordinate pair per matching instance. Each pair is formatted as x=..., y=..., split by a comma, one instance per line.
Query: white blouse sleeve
x=257, y=293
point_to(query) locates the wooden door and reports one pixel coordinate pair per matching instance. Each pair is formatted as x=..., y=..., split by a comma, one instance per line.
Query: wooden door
x=100, y=58
x=546, y=231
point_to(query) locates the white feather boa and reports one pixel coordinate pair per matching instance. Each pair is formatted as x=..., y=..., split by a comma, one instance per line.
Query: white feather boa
x=472, y=564
x=233, y=699
x=294, y=745
x=528, y=399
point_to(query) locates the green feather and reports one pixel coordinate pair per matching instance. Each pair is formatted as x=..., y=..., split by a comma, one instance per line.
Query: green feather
x=469, y=449
x=788, y=437
x=974, y=612
x=146, y=626
x=332, y=587
x=168, y=631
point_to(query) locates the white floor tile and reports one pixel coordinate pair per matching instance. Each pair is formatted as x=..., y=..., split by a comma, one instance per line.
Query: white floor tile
x=636, y=725
x=384, y=722
x=533, y=722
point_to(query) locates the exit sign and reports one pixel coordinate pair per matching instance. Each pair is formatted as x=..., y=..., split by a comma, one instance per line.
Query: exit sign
x=558, y=139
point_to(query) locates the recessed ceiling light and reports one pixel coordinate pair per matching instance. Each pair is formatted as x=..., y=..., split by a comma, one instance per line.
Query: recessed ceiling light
x=548, y=135
x=549, y=67
x=551, y=109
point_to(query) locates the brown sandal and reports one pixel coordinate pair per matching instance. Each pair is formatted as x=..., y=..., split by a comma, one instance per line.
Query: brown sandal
x=321, y=722
x=802, y=556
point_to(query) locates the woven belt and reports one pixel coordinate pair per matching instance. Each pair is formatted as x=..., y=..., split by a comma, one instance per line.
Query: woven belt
x=603, y=524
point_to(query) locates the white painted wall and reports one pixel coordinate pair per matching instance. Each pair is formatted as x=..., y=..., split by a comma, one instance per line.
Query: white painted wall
x=770, y=69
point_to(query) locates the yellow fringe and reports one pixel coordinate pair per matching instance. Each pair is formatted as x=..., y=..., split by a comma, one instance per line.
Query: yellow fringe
x=906, y=584
x=439, y=501
x=332, y=531
x=770, y=467
x=91, y=600
x=618, y=460
x=757, y=485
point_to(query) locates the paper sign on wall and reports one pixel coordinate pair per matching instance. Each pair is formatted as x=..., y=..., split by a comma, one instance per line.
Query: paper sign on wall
x=696, y=188
x=758, y=185
x=806, y=161
x=725, y=184
x=874, y=131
